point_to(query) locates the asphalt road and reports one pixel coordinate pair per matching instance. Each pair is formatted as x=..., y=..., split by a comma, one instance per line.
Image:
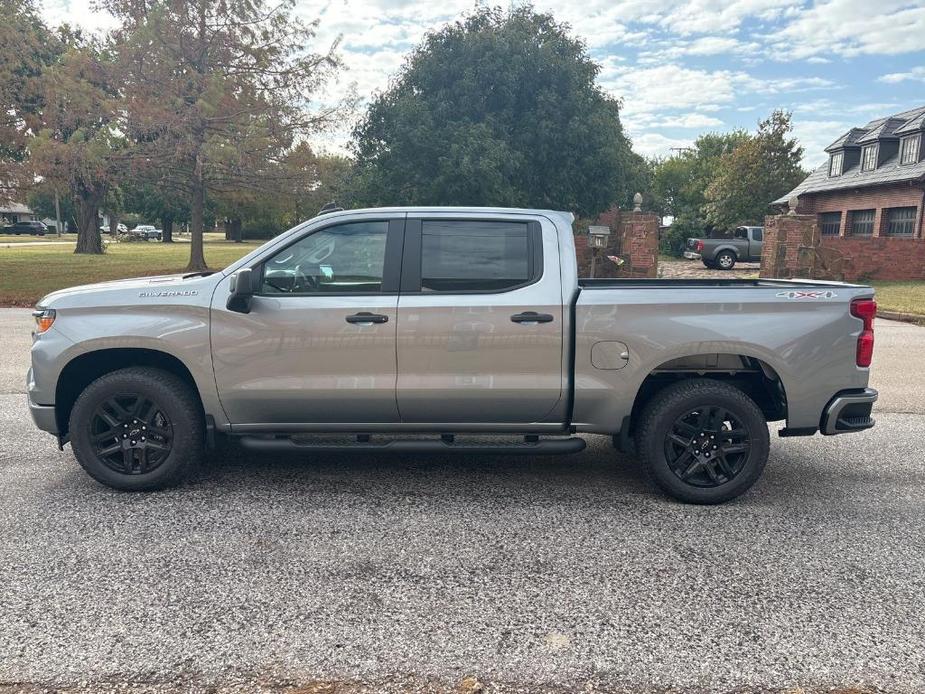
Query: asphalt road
x=396, y=574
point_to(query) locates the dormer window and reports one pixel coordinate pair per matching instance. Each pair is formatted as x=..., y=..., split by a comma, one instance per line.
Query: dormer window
x=869, y=158
x=909, y=149
x=835, y=163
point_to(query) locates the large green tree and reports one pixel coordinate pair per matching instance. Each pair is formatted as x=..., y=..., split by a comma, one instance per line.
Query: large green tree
x=501, y=108
x=27, y=47
x=759, y=171
x=215, y=94
x=81, y=147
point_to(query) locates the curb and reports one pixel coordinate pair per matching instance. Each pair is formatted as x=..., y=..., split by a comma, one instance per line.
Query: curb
x=917, y=319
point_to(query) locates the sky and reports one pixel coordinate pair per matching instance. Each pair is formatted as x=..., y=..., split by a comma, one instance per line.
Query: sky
x=681, y=67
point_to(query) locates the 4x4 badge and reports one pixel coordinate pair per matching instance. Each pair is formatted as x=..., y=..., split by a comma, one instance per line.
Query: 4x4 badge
x=807, y=294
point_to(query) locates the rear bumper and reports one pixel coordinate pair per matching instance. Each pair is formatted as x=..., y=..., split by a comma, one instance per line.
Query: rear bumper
x=690, y=255
x=848, y=412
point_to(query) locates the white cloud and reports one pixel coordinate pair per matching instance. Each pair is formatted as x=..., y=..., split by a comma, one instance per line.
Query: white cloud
x=658, y=145
x=916, y=74
x=851, y=28
x=688, y=120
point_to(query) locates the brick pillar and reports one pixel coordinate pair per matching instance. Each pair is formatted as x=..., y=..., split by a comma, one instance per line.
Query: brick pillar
x=639, y=245
x=790, y=246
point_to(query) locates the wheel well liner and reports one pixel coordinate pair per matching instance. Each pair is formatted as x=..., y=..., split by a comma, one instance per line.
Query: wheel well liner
x=82, y=370
x=755, y=377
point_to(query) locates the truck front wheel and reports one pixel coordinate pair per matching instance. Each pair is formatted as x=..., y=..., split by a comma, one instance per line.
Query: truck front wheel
x=137, y=429
x=703, y=441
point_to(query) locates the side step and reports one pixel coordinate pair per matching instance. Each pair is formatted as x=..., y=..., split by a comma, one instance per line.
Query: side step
x=447, y=443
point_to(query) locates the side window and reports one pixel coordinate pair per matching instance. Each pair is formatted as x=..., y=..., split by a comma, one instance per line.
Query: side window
x=338, y=259
x=459, y=256
x=741, y=233
x=757, y=234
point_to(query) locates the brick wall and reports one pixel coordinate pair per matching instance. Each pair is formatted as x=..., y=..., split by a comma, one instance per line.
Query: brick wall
x=633, y=239
x=787, y=250
x=875, y=257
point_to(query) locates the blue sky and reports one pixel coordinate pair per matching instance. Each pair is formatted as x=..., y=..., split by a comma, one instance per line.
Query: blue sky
x=682, y=67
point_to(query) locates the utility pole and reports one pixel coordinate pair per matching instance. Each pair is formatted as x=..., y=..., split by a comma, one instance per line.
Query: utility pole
x=57, y=214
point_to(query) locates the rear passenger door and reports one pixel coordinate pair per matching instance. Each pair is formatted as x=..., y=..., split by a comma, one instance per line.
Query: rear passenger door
x=480, y=321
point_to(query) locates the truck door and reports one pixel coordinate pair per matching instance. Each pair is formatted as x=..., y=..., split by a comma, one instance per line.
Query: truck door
x=318, y=345
x=755, y=243
x=480, y=321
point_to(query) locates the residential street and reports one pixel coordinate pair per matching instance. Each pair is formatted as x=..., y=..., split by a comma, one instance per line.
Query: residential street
x=413, y=573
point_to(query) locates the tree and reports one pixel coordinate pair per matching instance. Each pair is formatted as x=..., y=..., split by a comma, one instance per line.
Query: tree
x=750, y=177
x=28, y=47
x=215, y=93
x=154, y=202
x=81, y=147
x=680, y=184
x=501, y=108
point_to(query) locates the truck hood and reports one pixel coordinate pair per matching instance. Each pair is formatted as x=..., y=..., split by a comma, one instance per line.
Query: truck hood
x=133, y=291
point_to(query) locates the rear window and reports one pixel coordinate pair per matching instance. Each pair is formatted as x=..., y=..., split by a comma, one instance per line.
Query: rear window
x=462, y=256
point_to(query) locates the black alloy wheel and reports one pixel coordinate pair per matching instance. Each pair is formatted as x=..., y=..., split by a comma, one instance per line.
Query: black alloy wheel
x=131, y=434
x=707, y=447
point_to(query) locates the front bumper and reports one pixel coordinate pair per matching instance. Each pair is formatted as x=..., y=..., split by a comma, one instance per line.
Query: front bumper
x=690, y=255
x=44, y=416
x=848, y=412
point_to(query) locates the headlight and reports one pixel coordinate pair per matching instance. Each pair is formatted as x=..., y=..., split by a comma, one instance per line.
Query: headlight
x=44, y=318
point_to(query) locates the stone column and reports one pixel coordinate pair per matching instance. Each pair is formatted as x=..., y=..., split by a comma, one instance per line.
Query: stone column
x=790, y=246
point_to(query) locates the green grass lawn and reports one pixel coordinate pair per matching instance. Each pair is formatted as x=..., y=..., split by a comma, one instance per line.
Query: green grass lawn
x=28, y=273
x=26, y=238
x=904, y=297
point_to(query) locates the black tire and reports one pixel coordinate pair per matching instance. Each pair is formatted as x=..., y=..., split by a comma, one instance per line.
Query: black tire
x=728, y=446
x=725, y=260
x=155, y=407
x=709, y=264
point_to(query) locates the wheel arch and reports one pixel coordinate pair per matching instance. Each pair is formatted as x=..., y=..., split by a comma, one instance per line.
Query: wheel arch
x=751, y=373
x=85, y=368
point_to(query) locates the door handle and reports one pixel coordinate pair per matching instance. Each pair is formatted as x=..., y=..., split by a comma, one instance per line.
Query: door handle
x=367, y=317
x=531, y=317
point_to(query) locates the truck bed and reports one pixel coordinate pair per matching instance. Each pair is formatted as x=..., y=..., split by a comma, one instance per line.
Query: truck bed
x=680, y=283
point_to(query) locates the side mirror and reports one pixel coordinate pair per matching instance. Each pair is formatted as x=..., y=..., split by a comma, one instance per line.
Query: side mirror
x=242, y=291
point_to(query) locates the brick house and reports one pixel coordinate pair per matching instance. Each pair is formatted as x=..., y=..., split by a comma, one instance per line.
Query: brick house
x=868, y=198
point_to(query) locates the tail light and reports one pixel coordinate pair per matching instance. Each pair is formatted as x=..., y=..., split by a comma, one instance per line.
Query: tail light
x=698, y=245
x=866, y=310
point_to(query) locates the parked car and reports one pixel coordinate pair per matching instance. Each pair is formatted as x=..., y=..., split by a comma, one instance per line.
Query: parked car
x=146, y=232
x=745, y=245
x=446, y=330
x=35, y=228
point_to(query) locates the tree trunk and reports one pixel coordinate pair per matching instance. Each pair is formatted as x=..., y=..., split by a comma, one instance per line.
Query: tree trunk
x=197, y=258
x=113, y=224
x=167, y=229
x=234, y=227
x=87, y=206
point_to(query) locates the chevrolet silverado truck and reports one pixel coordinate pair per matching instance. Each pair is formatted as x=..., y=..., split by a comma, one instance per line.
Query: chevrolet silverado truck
x=745, y=245
x=446, y=330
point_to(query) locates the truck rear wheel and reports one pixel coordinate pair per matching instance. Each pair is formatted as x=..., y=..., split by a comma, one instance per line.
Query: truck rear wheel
x=703, y=441
x=725, y=260
x=137, y=429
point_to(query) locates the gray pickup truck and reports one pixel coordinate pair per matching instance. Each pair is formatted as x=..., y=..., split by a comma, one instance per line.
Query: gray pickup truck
x=446, y=329
x=745, y=245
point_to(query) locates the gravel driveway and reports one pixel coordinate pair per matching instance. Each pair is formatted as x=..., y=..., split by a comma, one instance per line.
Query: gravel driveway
x=434, y=574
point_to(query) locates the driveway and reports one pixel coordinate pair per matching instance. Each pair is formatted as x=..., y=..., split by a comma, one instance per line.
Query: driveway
x=432, y=574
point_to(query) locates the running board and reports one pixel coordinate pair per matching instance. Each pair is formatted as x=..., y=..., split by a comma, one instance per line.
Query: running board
x=448, y=443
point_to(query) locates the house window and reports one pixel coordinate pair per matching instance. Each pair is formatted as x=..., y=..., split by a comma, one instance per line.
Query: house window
x=900, y=221
x=909, y=150
x=830, y=223
x=869, y=158
x=835, y=163
x=862, y=223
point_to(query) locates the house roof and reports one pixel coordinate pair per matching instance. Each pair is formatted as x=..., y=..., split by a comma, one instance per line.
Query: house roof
x=890, y=171
x=14, y=208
